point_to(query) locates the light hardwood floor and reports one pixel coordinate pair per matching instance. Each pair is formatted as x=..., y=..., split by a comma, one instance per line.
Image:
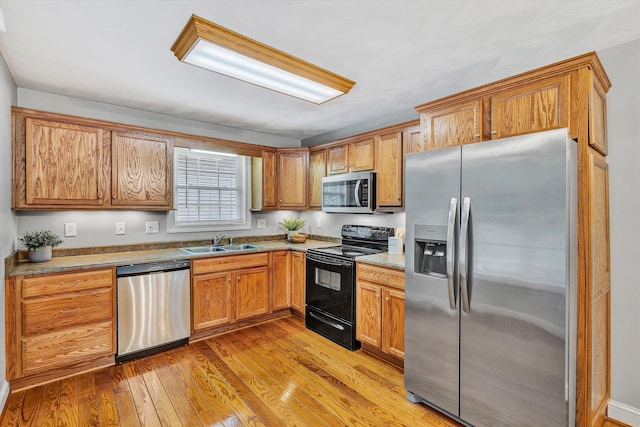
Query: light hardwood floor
x=274, y=374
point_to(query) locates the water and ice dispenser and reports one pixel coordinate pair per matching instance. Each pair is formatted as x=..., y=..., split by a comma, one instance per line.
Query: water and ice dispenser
x=430, y=250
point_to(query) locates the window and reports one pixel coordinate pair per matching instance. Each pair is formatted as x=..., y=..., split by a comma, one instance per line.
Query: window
x=210, y=191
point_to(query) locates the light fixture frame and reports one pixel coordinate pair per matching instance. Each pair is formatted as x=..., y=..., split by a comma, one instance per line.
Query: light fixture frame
x=198, y=28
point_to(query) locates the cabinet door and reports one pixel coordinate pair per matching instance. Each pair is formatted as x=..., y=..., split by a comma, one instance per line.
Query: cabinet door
x=298, y=282
x=317, y=170
x=393, y=322
x=338, y=159
x=65, y=164
x=534, y=107
x=389, y=170
x=598, y=117
x=280, y=280
x=252, y=292
x=269, y=180
x=453, y=125
x=369, y=313
x=361, y=155
x=141, y=170
x=292, y=178
x=212, y=300
x=412, y=141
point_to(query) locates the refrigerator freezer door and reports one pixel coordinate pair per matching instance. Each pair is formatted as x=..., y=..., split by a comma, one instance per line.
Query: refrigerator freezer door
x=512, y=339
x=431, y=324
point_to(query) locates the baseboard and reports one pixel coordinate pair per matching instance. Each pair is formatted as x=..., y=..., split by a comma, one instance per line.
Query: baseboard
x=624, y=413
x=4, y=394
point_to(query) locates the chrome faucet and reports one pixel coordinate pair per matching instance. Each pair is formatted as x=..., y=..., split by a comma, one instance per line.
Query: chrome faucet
x=218, y=237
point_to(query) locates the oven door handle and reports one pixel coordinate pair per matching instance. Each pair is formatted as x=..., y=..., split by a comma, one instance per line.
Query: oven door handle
x=332, y=324
x=329, y=261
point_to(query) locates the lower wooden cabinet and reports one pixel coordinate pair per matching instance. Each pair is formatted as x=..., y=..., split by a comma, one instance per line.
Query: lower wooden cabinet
x=380, y=308
x=230, y=288
x=59, y=324
x=280, y=280
x=298, y=282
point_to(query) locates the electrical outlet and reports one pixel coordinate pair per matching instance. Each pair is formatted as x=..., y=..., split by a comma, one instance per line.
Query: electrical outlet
x=69, y=229
x=120, y=228
x=152, y=227
x=262, y=223
x=319, y=222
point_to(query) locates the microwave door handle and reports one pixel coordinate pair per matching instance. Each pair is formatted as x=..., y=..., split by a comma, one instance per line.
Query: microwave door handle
x=357, y=192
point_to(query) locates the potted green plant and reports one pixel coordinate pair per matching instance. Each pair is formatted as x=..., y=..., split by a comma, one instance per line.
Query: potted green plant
x=39, y=244
x=292, y=225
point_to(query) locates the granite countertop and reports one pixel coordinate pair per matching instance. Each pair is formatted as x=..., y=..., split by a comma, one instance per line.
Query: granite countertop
x=108, y=260
x=384, y=259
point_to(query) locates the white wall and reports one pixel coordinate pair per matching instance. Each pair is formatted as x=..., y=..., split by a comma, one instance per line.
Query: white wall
x=7, y=218
x=331, y=223
x=622, y=64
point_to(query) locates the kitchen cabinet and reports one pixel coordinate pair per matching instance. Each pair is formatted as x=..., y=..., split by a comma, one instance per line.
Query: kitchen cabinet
x=355, y=156
x=65, y=162
x=298, y=283
x=412, y=141
x=532, y=107
x=380, y=309
x=269, y=180
x=292, y=178
x=141, y=170
x=59, y=324
x=280, y=280
x=317, y=171
x=226, y=289
x=571, y=94
x=389, y=170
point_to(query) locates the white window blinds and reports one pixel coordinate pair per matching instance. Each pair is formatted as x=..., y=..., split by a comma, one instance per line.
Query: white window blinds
x=209, y=187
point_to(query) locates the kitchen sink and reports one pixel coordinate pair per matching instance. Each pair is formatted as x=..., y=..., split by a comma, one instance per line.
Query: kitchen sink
x=203, y=249
x=239, y=247
x=212, y=249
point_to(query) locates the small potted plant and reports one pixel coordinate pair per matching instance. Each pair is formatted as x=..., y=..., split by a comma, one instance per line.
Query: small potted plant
x=39, y=244
x=292, y=225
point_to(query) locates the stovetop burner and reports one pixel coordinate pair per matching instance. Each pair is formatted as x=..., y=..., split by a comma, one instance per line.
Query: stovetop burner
x=359, y=240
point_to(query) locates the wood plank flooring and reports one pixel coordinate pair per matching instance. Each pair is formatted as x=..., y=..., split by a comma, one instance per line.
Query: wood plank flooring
x=274, y=374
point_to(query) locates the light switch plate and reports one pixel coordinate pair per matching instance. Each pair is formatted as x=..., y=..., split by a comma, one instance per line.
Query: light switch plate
x=69, y=229
x=319, y=222
x=262, y=223
x=120, y=228
x=152, y=227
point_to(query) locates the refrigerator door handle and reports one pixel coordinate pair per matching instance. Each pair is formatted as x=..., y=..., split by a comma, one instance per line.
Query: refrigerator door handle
x=464, y=261
x=451, y=234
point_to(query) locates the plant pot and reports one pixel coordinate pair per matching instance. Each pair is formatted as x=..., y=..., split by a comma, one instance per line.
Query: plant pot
x=40, y=255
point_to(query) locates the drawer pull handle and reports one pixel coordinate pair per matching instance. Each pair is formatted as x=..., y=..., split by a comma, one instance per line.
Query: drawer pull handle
x=73, y=282
x=69, y=347
x=73, y=310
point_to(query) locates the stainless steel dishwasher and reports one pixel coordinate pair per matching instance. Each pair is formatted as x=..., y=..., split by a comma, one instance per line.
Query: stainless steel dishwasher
x=154, y=308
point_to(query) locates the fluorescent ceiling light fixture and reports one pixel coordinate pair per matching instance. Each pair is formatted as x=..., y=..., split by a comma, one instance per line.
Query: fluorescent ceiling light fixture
x=3, y=26
x=210, y=46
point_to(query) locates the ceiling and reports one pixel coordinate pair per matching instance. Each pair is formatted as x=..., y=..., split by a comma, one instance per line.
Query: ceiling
x=401, y=53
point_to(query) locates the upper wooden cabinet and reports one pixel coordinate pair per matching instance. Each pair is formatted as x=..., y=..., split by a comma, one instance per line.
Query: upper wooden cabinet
x=317, y=170
x=141, y=170
x=64, y=162
x=412, y=141
x=448, y=125
x=389, y=170
x=568, y=94
x=355, y=156
x=269, y=180
x=533, y=107
x=292, y=178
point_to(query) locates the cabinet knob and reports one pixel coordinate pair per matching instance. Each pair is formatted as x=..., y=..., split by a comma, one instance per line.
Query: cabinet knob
x=476, y=136
x=113, y=197
x=386, y=299
x=238, y=279
x=494, y=132
x=229, y=278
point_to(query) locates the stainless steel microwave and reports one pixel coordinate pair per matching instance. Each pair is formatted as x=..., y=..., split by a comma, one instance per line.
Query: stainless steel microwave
x=349, y=193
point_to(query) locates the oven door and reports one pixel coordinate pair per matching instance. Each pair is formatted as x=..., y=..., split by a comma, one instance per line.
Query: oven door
x=330, y=285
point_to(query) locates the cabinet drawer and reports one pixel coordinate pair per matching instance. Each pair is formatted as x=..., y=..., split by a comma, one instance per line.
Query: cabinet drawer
x=49, y=314
x=48, y=351
x=382, y=275
x=226, y=263
x=77, y=281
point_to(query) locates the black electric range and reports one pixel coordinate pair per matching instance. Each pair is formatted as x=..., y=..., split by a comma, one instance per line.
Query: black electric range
x=331, y=282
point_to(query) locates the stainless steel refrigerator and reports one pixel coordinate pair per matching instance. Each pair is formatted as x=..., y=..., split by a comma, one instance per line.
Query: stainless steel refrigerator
x=491, y=280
